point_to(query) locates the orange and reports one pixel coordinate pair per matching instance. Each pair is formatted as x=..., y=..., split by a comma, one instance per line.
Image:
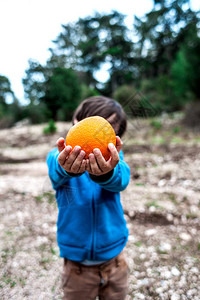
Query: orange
x=90, y=133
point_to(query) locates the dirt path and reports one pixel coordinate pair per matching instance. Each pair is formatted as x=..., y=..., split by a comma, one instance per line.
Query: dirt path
x=161, y=206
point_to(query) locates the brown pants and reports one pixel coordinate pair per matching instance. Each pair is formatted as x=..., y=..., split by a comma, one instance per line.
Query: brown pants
x=109, y=280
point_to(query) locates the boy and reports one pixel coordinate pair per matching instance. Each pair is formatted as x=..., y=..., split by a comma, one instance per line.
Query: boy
x=91, y=229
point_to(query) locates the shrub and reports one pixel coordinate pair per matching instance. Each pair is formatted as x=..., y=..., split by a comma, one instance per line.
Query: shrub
x=50, y=128
x=124, y=93
x=156, y=124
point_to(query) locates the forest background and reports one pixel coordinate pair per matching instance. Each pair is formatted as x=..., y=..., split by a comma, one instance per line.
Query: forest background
x=156, y=63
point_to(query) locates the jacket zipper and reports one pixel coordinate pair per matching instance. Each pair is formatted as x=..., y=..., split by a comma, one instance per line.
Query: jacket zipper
x=93, y=229
x=92, y=252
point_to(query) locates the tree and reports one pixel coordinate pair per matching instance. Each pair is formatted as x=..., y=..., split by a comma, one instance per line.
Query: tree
x=62, y=93
x=56, y=88
x=5, y=90
x=160, y=35
x=33, y=82
x=10, y=110
x=167, y=49
x=93, y=41
x=5, y=93
x=164, y=62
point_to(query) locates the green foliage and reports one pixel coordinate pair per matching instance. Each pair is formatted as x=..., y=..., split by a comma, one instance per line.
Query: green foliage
x=36, y=112
x=163, y=65
x=63, y=91
x=170, y=66
x=153, y=204
x=124, y=93
x=46, y=197
x=57, y=92
x=10, y=109
x=185, y=69
x=156, y=124
x=5, y=90
x=177, y=129
x=87, y=91
x=94, y=41
x=34, y=81
x=158, y=93
x=198, y=246
x=50, y=128
x=180, y=73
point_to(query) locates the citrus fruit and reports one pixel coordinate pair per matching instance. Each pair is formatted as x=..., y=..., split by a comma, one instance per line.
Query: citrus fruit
x=90, y=133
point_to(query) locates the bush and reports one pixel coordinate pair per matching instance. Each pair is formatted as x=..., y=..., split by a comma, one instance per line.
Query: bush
x=36, y=113
x=10, y=114
x=50, y=128
x=156, y=124
x=124, y=93
x=63, y=92
x=162, y=93
x=87, y=92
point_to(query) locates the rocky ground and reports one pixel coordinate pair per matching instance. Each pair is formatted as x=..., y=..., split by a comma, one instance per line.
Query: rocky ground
x=161, y=206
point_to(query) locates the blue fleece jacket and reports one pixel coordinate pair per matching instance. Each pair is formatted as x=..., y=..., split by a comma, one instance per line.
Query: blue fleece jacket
x=90, y=221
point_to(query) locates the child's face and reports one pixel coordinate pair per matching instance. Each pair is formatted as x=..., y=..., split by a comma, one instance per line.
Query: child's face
x=111, y=120
x=114, y=123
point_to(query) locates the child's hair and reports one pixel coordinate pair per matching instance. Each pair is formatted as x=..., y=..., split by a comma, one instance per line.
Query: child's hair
x=104, y=107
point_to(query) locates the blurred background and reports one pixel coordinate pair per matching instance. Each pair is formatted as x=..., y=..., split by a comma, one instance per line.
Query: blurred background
x=146, y=55
x=112, y=53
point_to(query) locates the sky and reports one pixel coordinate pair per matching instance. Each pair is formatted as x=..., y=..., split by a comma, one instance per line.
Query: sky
x=27, y=28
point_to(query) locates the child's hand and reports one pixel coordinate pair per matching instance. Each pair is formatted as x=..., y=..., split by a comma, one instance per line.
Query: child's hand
x=97, y=165
x=73, y=162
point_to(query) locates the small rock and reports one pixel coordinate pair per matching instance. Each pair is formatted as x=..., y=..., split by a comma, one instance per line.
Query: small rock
x=175, y=271
x=165, y=247
x=194, y=270
x=170, y=217
x=2, y=226
x=147, y=264
x=185, y=236
x=162, y=182
x=167, y=274
x=182, y=282
x=193, y=231
x=150, y=232
x=142, y=256
x=131, y=238
x=139, y=296
x=191, y=292
x=175, y=297
x=159, y=290
x=145, y=281
x=136, y=273
x=41, y=240
x=131, y=213
x=15, y=264
x=152, y=208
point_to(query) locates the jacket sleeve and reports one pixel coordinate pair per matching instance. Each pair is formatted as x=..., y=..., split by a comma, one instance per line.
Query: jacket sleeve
x=119, y=179
x=57, y=174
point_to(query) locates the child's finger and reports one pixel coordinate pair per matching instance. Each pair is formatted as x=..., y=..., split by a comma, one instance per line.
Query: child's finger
x=119, y=144
x=77, y=162
x=114, y=155
x=63, y=155
x=100, y=159
x=60, y=144
x=72, y=157
x=93, y=164
x=83, y=166
x=88, y=168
